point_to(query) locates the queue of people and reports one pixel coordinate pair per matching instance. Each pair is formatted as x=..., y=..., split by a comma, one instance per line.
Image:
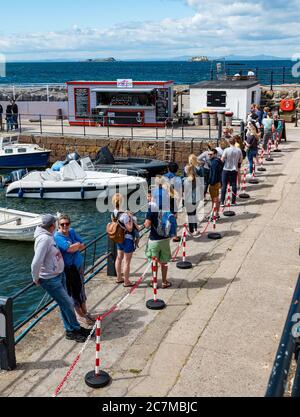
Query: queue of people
x=58, y=264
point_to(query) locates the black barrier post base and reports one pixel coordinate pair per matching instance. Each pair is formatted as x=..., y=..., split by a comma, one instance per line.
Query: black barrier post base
x=97, y=381
x=244, y=196
x=269, y=159
x=253, y=181
x=214, y=236
x=184, y=265
x=277, y=150
x=261, y=169
x=156, y=305
x=229, y=213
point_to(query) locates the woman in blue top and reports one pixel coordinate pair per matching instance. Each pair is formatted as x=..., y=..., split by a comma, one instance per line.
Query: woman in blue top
x=70, y=245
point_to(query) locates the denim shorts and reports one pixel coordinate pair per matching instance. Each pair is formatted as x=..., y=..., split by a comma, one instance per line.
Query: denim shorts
x=127, y=247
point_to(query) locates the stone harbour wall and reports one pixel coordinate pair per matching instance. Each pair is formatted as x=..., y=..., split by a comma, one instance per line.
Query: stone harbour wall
x=119, y=147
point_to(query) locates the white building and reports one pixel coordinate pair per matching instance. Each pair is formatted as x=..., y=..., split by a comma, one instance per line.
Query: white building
x=231, y=95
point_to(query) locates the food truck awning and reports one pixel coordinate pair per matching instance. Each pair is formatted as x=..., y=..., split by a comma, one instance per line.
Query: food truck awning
x=123, y=90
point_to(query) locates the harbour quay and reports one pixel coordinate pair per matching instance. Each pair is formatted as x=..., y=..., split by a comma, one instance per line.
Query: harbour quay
x=222, y=325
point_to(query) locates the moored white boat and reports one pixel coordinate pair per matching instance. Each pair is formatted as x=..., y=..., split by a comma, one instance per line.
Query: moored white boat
x=74, y=183
x=18, y=225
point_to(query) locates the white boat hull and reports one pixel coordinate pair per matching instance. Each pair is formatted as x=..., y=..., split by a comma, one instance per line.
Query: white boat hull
x=91, y=186
x=18, y=225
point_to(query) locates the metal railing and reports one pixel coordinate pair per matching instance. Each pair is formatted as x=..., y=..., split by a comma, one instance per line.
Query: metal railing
x=267, y=76
x=289, y=349
x=178, y=128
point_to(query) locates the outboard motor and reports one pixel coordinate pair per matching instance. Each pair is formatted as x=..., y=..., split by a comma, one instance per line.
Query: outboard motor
x=17, y=175
x=105, y=157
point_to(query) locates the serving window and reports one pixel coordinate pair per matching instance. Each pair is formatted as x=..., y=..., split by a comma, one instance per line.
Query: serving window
x=125, y=99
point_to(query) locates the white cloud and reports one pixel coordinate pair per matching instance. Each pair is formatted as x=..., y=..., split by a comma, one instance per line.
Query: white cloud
x=216, y=28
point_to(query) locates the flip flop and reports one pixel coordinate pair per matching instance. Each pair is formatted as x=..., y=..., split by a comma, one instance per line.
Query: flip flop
x=167, y=285
x=119, y=282
x=130, y=285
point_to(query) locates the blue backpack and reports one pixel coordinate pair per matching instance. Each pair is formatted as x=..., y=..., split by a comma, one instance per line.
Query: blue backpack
x=166, y=226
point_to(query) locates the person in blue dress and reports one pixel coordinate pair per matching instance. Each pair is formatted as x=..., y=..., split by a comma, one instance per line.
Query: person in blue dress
x=71, y=245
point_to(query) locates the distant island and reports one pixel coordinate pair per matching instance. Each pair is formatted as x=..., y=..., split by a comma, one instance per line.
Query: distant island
x=200, y=59
x=111, y=59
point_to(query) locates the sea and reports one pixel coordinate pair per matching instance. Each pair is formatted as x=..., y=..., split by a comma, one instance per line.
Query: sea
x=181, y=72
x=16, y=257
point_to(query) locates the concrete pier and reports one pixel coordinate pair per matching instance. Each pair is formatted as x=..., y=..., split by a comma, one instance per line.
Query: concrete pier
x=220, y=331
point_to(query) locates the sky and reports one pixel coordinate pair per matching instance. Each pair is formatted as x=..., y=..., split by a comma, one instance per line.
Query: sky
x=153, y=29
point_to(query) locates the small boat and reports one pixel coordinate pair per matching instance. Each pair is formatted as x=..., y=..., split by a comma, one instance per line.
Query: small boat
x=73, y=182
x=144, y=167
x=15, y=155
x=18, y=225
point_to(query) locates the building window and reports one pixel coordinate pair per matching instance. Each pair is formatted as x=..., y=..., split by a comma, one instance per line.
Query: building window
x=216, y=98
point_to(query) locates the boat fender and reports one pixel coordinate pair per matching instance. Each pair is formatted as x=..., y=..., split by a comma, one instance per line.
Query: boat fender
x=82, y=192
x=42, y=191
x=20, y=193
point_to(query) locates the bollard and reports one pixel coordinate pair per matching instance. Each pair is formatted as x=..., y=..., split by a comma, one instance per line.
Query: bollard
x=97, y=379
x=155, y=304
x=244, y=195
x=229, y=213
x=112, y=249
x=7, y=337
x=184, y=264
x=253, y=180
x=214, y=235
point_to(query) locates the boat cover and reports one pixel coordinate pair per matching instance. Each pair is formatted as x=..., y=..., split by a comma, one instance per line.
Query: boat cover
x=72, y=172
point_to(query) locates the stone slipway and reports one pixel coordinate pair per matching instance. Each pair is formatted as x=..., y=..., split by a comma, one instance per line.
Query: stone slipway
x=220, y=332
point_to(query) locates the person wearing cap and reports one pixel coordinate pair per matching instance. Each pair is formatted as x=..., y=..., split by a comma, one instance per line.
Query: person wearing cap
x=47, y=270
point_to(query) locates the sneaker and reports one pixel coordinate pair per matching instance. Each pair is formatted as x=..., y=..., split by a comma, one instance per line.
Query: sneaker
x=87, y=321
x=222, y=205
x=233, y=204
x=85, y=332
x=75, y=335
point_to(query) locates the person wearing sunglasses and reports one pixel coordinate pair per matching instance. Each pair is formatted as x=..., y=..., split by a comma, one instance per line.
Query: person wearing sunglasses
x=70, y=245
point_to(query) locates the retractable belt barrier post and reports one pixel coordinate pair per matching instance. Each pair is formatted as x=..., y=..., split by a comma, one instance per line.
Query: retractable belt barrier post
x=244, y=195
x=214, y=235
x=261, y=161
x=253, y=180
x=97, y=379
x=155, y=304
x=269, y=159
x=277, y=143
x=184, y=264
x=229, y=213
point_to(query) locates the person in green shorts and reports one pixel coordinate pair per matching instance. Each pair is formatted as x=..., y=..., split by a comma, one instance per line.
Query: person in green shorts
x=162, y=225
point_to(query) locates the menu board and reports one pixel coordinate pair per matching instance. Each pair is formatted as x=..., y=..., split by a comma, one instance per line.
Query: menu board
x=82, y=102
x=162, y=108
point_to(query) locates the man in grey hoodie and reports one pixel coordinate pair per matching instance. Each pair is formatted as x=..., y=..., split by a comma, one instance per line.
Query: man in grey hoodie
x=48, y=271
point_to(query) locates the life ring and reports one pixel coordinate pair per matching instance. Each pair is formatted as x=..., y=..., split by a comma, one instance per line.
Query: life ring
x=287, y=105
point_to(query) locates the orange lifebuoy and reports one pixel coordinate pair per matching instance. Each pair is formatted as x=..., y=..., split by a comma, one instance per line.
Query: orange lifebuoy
x=287, y=105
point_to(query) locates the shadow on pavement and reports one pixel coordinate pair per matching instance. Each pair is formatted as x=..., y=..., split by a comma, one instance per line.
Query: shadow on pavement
x=120, y=323
x=211, y=284
x=258, y=202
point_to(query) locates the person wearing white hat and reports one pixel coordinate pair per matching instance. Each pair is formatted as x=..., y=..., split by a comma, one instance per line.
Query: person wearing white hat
x=48, y=271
